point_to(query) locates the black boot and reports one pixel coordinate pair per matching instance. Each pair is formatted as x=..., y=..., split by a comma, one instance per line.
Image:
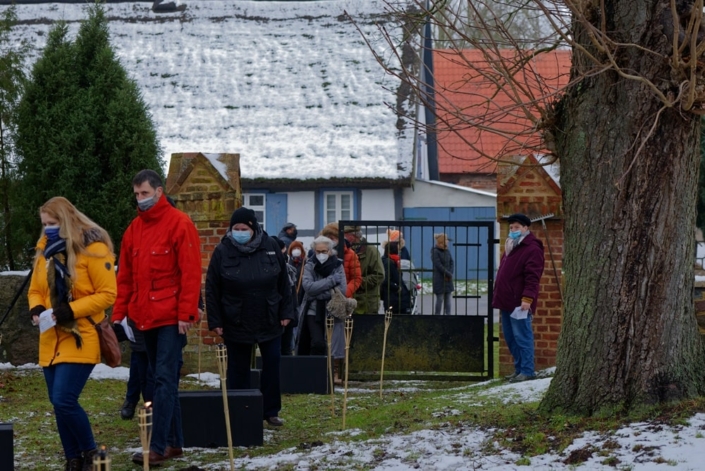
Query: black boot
x=88, y=459
x=128, y=410
x=74, y=464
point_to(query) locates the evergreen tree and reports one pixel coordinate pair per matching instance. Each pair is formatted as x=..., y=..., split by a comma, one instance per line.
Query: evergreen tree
x=12, y=79
x=84, y=130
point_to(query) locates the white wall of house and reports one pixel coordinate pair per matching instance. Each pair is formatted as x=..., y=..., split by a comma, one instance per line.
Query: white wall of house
x=429, y=194
x=301, y=208
x=377, y=205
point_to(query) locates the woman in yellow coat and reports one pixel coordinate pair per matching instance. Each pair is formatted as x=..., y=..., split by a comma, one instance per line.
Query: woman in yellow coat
x=74, y=280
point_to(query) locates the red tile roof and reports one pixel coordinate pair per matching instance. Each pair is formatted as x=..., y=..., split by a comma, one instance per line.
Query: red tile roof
x=472, y=95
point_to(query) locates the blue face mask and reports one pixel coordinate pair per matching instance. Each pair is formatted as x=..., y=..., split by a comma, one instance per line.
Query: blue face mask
x=241, y=237
x=514, y=234
x=52, y=232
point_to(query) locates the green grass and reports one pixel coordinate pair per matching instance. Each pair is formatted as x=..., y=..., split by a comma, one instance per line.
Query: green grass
x=443, y=406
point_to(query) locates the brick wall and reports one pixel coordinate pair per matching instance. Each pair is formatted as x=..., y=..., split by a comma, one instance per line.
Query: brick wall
x=209, y=197
x=529, y=189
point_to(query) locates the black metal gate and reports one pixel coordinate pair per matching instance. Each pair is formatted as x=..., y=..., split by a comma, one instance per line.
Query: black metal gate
x=422, y=342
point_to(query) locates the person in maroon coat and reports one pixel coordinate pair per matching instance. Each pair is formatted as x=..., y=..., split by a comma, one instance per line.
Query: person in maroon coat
x=515, y=292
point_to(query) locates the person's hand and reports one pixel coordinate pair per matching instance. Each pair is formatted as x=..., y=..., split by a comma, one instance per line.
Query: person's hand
x=218, y=331
x=184, y=327
x=285, y=322
x=525, y=306
x=63, y=313
x=34, y=313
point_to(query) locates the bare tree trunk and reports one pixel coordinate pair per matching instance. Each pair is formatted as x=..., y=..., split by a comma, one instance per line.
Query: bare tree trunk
x=629, y=334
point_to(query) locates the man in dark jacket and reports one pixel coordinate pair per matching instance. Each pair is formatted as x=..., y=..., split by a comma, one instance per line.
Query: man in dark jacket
x=367, y=296
x=248, y=300
x=288, y=234
x=515, y=292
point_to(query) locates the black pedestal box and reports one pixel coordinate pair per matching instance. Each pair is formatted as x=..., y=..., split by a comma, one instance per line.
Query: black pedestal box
x=305, y=374
x=7, y=453
x=203, y=418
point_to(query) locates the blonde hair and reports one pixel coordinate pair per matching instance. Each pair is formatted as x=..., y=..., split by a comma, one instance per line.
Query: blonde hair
x=73, y=227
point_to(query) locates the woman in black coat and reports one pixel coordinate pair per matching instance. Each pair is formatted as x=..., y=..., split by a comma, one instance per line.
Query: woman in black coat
x=394, y=292
x=248, y=301
x=443, y=268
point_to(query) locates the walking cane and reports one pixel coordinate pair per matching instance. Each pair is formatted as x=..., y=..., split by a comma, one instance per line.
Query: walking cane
x=222, y=354
x=387, y=321
x=144, y=417
x=348, y=336
x=330, y=322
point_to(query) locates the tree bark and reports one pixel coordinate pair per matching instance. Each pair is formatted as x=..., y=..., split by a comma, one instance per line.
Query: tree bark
x=629, y=333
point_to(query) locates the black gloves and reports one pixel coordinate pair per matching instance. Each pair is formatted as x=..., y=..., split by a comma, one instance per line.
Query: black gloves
x=36, y=310
x=63, y=313
x=120, y=332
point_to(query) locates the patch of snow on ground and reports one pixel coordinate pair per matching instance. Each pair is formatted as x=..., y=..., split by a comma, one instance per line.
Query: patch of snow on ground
x=457, y=447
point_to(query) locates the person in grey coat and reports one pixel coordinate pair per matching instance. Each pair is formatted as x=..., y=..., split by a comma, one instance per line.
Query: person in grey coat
x=322, y=272
x=443, y=266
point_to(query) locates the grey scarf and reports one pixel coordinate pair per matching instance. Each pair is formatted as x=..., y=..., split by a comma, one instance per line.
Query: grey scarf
x=250, y=246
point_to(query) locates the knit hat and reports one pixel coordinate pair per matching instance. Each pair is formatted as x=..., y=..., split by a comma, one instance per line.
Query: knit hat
x=348, y=229
x=520, y=218
x=244, y=216
x=330, y=231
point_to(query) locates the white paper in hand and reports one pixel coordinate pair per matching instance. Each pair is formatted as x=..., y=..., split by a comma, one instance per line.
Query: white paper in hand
x=519, y=314
x=46, y=322
x=128, y=330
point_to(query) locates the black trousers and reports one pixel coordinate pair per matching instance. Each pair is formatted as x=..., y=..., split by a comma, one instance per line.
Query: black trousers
x=318, y=336
x=239, y=363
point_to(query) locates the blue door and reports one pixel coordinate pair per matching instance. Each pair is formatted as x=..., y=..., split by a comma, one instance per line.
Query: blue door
x=276, y=212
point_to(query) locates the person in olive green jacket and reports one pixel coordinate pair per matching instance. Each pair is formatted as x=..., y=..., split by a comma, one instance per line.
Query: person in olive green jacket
x=367, y=295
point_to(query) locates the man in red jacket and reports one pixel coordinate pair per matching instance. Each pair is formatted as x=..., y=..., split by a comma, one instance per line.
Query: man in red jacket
x=159, y=282
x=515, y=292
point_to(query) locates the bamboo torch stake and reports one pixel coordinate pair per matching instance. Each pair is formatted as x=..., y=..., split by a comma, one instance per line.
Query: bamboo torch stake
x=222, y=354
x=330, y=322
x=387, y=322
x=144, y=416
x=348, y=336
x=102, y=461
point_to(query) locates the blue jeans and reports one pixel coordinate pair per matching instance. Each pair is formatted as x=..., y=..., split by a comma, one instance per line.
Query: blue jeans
x=141, y=379
x=239, y=362
x=65, y=382
x=163, y=346
x=520, y=340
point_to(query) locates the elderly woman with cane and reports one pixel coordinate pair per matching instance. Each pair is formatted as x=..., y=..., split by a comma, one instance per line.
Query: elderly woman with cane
x=248, y=300
x=322, y=273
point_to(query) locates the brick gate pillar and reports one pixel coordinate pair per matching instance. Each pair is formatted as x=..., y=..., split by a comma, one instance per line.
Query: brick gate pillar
x=207, y=188
x=527, y=187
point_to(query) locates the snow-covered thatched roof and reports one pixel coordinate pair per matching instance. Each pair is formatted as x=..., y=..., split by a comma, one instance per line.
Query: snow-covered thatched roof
x=290, y=86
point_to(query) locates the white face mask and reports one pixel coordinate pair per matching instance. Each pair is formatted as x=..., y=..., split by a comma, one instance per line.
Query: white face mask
x=296, y=253
x=322, y=257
